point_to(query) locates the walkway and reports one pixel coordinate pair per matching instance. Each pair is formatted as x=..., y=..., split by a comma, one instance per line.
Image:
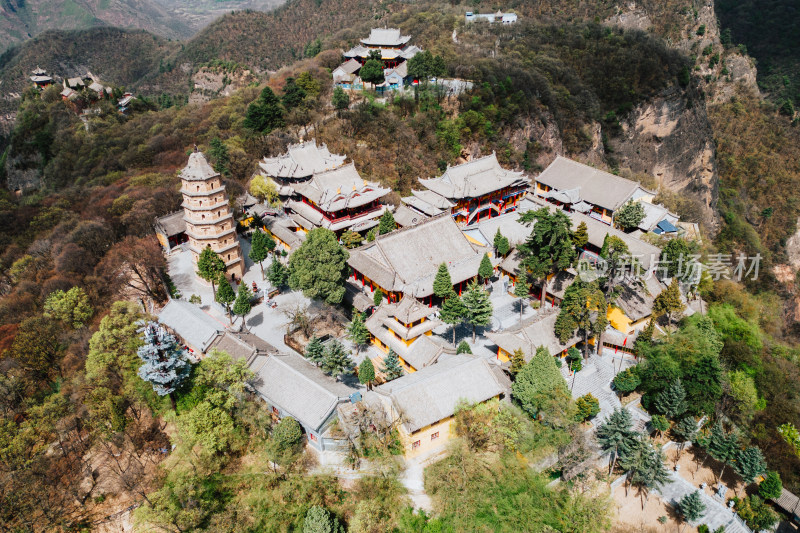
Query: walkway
x=595, y=378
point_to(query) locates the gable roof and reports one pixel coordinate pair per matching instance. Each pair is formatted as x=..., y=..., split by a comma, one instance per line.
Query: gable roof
x=197, y=169
x=509, y=227
x=339, y=189
x=596, y=186
x=406, y=260
x=386, y=37
x=172, y=224
x=242, y=346
x=351, y=66
x=301, y=161
x=190, y=323
x=636, y=297
x=299, y=388
x=474, y=178
x=432, y=393
x=404, y=216
x=532, y=333
x=654, y=214
x=646, y=253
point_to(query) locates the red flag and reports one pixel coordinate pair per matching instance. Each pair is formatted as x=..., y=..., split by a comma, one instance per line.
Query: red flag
x=625, y=341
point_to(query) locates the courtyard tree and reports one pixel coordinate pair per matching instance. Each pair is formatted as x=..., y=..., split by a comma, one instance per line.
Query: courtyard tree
x=366, y=373
x=463, y=347
x=685, y=431
x=645, y=466
x=377, y=298
x=630, y=215
x=692, y=507
x=315, y=350
x=357, y=331
x=548, y=249
x=277, y=273
x=588, y=407
x=386, y=224
x=164, y=362
x=771, y=487
x=579, y=313
x=351, y=239
x=442, y=283
x=261, y=245
x=453, y=312
x=391, y=368
x=616, y=435
x=225, y=294
x=723, y=446
x=517, y=362
x=626, y=381
x=336, y=360
x=671, y=402
x=209, y=266
x=750, y=464
x=372, y=70
x=538, y=380
x=242, y=306
x=319, y=267
x=485, y=270
x=660, y=424
x=71, y=307
x=478, y=307
x=501, y=244
x=581, y=236
x=521, y=290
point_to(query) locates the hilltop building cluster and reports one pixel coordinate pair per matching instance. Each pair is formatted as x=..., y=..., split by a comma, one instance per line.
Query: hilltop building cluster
x=452, y=220
x=393, y=50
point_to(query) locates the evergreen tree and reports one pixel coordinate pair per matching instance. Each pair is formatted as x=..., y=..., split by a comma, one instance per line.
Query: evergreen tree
x=498, y=237
x=225, y=294
x=723, y=446
x=372, y=71
x=357, y=331
x=71, y=307
x=377, y=298
x=685, y=430
x=503, y=247
x=340, y=99
x=538, y=380
x=616, y=435
x=517, y=362
x=478, y=307
x=219, y=154
x=750, y=464
x=293, y=94
x=578, y=312
x=645, y=466
x=425, y=65
x=242, y=306
x=485, y=270
x=386, y=223
x=265, y=114
x=209, y=266
x=391, y=368
x=676, y=256
x=702, y=382
x=259, y=248
x=336, y=360
x=581, y=236
x=319, y=520
x=692, y=507
x=366, y=373
x=351, y=239
x=672, y=400
x=463, y=347
x=319, y=266
x=629, y=215
x=626, y=381
x=442, y=284
x=645, y=338
x=660, y=424
x=277, y=273
x=771, y=487
x=521, y=290
x=453, y=312
x=669, y=301
x=549, y=249
x=588, y=407
x=315, y=350
x=164, y=362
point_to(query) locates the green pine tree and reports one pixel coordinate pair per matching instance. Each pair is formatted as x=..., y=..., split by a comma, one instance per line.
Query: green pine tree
x=498, y=237
x=225, y=294
x=277, y=273
x=366, y=373
x=672, y=400
x=485, y=270
x=209, y=266
x=626, y=381
x=723, y=446
x=391, y=368
x=315, y=350
x=578, y=313
x=616, y=435
x=319, y=266
x=522, y=289
x=377, y=298
x=357, y=331
x=478, y=307
x=549, y=249
x=692, y=507
x=265, y=114
x=660, y=424
x=538, y=380
x=336, y=360
x=629, y=215
x=771, y=487
x=581, y=236
x=242, y=306
x=463, y=347
x=386, y=223
x=517, y=362
x=340, y=99
x=750, y=464
x=260, y=248
x=453, y=312
x=442, y=284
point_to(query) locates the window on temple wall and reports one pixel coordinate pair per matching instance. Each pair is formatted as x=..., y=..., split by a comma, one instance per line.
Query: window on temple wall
x=434, y=436
x=415, y=445
x=198, y=188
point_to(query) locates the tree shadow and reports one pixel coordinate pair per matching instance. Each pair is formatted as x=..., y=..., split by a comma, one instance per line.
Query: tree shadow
x=255, y=320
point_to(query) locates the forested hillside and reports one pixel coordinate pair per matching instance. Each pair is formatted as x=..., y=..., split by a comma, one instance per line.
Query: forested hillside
x=82, y=437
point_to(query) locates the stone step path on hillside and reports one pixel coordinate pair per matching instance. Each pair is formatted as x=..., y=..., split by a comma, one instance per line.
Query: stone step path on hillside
x=595, y=378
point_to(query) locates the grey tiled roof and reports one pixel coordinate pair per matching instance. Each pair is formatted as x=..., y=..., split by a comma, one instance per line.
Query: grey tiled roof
x=299, y=388
x=190, y=323
x=385, y=36
x=475, y=178
x=283, y=229
x=636, y=298
x=172, y=224
x=432, y=393
x=242, y=346
x=406, y=260
x=653, y=214
x=596, y=186
x=644, y=252
x=532, y=333
x=341, y=188
x=301, y=161
x=197, y=169
x=405, y=216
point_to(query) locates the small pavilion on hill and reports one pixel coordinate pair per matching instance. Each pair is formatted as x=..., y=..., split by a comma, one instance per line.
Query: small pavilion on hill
x=393, y=46
x=300, y=162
